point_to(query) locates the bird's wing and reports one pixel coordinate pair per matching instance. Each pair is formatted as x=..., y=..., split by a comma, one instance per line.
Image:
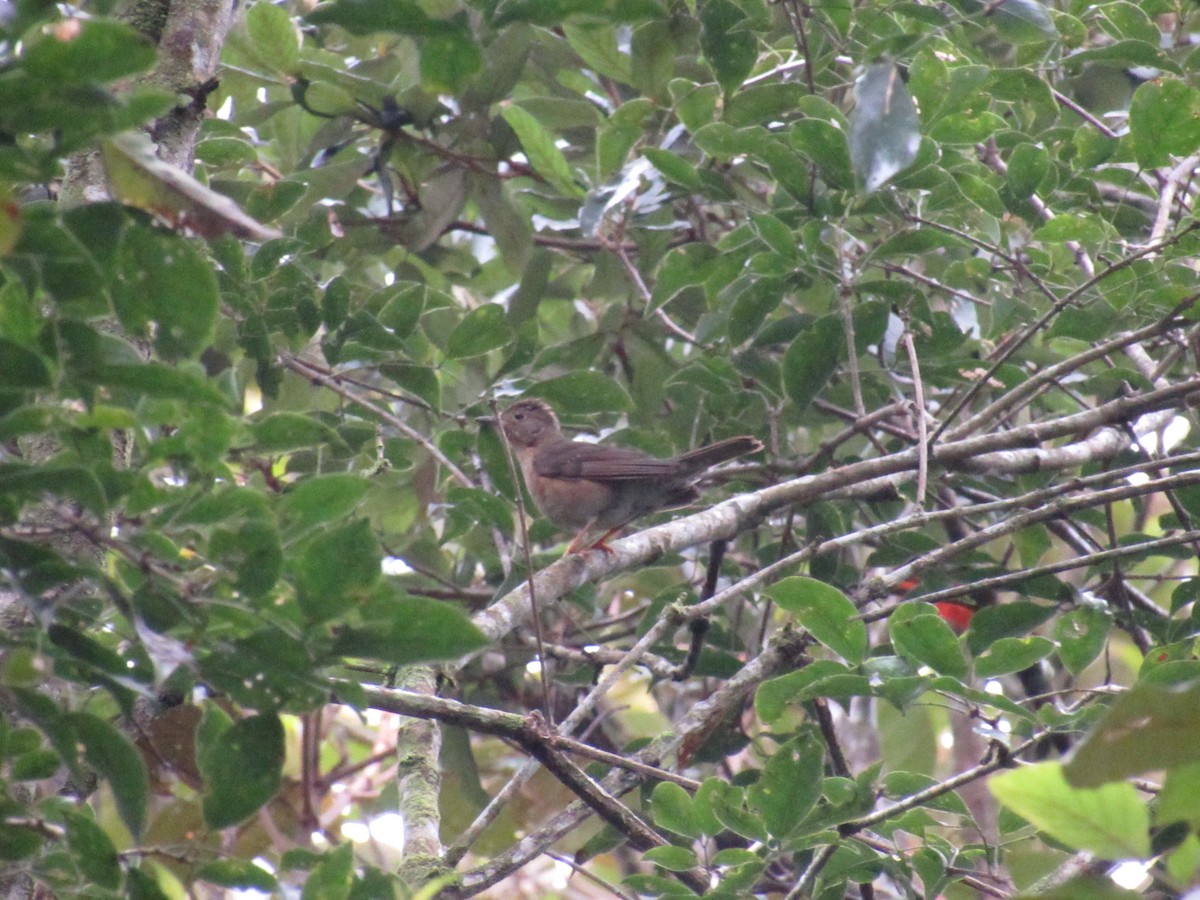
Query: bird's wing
x=577, y=459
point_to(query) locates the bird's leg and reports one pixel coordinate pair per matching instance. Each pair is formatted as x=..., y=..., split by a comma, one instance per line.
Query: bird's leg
x=578, y=541
x=577, y=545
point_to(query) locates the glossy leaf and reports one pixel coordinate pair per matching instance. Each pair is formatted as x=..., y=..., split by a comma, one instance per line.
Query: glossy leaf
x=1012, y=655
x=672, y=808
x=826, y=612
x=927, y=639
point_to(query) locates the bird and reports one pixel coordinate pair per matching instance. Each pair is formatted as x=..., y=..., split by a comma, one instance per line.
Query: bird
x=586, y=487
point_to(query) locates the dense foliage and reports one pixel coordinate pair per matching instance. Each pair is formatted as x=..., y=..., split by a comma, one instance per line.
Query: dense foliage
x=938, y=257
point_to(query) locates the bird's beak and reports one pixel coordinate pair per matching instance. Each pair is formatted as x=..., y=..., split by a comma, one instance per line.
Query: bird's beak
x=486, y=420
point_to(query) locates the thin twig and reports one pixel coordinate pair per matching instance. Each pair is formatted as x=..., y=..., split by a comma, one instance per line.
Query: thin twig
x=334, y=383
x=522, y=524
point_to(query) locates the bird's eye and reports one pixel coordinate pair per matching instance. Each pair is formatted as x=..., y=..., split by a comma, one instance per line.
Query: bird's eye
x=519, y=416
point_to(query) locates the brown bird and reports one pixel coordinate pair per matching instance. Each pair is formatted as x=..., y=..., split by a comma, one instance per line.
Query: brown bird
x=585, y=487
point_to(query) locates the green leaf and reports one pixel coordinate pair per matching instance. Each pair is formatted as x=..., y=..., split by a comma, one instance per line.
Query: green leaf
x=93, y=852
x=19, y=841
x=273, y=38
x=1164, y=121
x=1081, y=635
x=403, y=630
x=683, y=267
x=1017, y=21
x=1083, y=227
x=370, y=16
x=36, y=765
x=226, y=151
x=86, y=649
x=544, y=156
x=29, y=483
x=449, y=60
x=673, y=167
x=254, y=554
x=164, y=280
x=826, y=144
x=269, y=201
x=336, y=569
x=1179, y=799
x=237, y=873
x=673, y=810
x=1111, y=822
x=322, y=498
x=776, y=235
x=103, y=50
x=900, y=784
x=596, y=44
x=481, y=506
x=1012, y=655
x=673, y=859
x=885, y=132
x=729, y=809
x=333, y=877
x=826, y=612
x=583, y=392
x=111, y=755
x=242, y=768
x=156, y=380
x=481, y=330
x=727, y=41
x=1122, y=54
x=790, y=784
x=773, y=695
x=918, y=243
x=926, y=638
x=23, y=368
x=1149, y=727
x=812, y=358
x=1006, y=620
x=1027, y=166
x=284, y=431
x=752, y=306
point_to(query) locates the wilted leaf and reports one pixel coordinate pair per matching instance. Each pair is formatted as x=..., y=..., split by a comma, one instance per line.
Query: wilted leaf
x=885, y=132
x=137, y=177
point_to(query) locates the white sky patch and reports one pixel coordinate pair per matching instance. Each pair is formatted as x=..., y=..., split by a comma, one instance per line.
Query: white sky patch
x=1172, y=436
x=1131, y=874
x=388, y=829
x=393, y=565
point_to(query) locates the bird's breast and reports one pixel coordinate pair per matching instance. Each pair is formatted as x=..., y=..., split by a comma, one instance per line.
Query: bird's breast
x=570, y=503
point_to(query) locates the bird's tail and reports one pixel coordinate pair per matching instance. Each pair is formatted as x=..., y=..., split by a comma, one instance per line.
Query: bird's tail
x=696, y=461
